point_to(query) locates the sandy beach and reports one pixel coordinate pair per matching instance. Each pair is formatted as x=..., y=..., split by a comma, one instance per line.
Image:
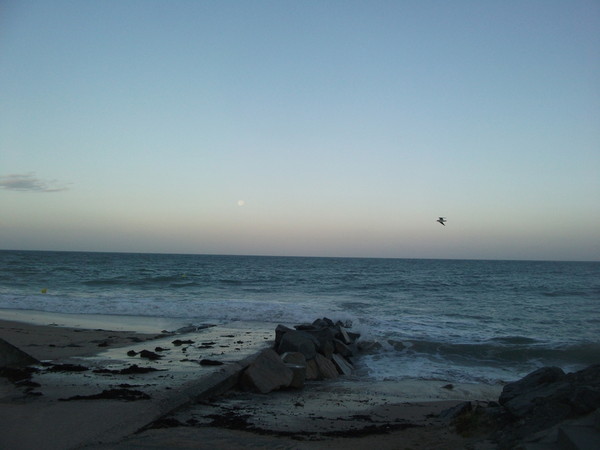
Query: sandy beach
x=343, y=413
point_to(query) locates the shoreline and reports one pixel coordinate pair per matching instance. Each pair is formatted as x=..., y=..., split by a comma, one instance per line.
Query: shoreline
x=138, y=324
x=330, y=413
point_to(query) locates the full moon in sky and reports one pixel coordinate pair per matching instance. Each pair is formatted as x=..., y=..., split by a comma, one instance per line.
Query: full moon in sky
x=241, y=202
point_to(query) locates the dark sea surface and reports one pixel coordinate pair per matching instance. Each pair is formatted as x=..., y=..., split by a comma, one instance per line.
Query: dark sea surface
x=452, y=320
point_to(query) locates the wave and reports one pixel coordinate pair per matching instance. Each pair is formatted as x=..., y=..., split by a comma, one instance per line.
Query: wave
x=513, y=350
x=147, y=282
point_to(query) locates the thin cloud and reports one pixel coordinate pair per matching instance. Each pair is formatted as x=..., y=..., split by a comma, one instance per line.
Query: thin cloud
x=29, y=183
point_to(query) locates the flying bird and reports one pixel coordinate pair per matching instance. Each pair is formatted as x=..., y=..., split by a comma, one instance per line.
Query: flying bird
x=442, y=220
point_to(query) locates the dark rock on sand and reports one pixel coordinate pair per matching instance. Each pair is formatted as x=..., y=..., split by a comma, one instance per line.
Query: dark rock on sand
x=67, y=368
x=210, y=362
x=535, y=381
x=455, y=411
x=112, y=394
x=552, y=393
x=541, y=407
x=134, y=369
x=149, y=355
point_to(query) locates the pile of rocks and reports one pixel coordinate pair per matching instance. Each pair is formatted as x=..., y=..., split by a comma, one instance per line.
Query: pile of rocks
x=546, y=409
x=549, y=397
x=316, y=351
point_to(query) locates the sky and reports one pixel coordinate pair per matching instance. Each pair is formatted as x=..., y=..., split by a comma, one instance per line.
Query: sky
x=308, y=128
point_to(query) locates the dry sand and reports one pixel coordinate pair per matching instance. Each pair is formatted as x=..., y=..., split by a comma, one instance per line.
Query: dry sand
x=345, y=413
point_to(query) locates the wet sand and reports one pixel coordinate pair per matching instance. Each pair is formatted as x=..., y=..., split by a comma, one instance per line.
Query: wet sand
x=343, y=413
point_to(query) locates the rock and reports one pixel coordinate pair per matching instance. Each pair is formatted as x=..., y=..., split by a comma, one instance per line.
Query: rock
x=368, y=346
x=188, y=329
x=11, y=356
x=326, y=349
x=455, y=411
x=323, y=323
x=354, y=336
x=326, y=368
x=67, y=368
x=312, y=370
x=279, y=332
x=295, y=358
x=548, y=398
x=532, y=381
x=112, y=394
x=210, y=362
x=341, y=348
x=298, y=341
x=324, y=337
x=149, y=355
x=343, y=336
x=134, y=369
x=299, y=375
x=343, y=367
x=266, y=373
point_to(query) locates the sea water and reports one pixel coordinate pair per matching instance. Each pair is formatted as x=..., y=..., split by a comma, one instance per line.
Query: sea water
x=451, y=320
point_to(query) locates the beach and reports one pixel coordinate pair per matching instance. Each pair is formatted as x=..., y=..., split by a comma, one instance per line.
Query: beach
x=192, y=406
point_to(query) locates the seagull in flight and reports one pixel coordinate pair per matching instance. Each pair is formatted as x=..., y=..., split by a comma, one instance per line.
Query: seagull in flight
x=442, y=220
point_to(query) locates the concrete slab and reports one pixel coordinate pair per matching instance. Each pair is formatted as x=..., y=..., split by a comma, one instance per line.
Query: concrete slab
x=43, y=419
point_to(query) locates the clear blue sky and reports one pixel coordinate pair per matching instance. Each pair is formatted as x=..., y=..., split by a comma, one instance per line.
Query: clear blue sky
x=340, y=128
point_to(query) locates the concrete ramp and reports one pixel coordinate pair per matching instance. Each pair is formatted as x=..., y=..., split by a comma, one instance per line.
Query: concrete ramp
x=89, y=401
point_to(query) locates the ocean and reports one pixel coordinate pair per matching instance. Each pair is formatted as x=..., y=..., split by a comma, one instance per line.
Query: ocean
x=452, y=320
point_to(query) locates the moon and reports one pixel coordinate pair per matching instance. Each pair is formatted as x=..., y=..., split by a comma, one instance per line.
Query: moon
x=241, y=203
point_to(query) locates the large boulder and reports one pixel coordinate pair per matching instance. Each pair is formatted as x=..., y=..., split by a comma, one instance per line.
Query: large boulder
x=325, y=337
x=11, y=356
x=297, y=362
x=343, y=335
x=312, y=370
x=341, y=364
x=341, y=348
x=326, y=368
x=548, y=397
x=298, y=341
x=532, y=382
x=266, y=373
x=298, y=375
x=280, y=330
x=295, y=358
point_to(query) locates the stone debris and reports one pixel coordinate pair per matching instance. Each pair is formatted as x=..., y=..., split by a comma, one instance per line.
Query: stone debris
x=315, y=351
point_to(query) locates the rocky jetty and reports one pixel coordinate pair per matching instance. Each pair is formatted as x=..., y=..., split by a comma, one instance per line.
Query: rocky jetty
x=317, y=351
